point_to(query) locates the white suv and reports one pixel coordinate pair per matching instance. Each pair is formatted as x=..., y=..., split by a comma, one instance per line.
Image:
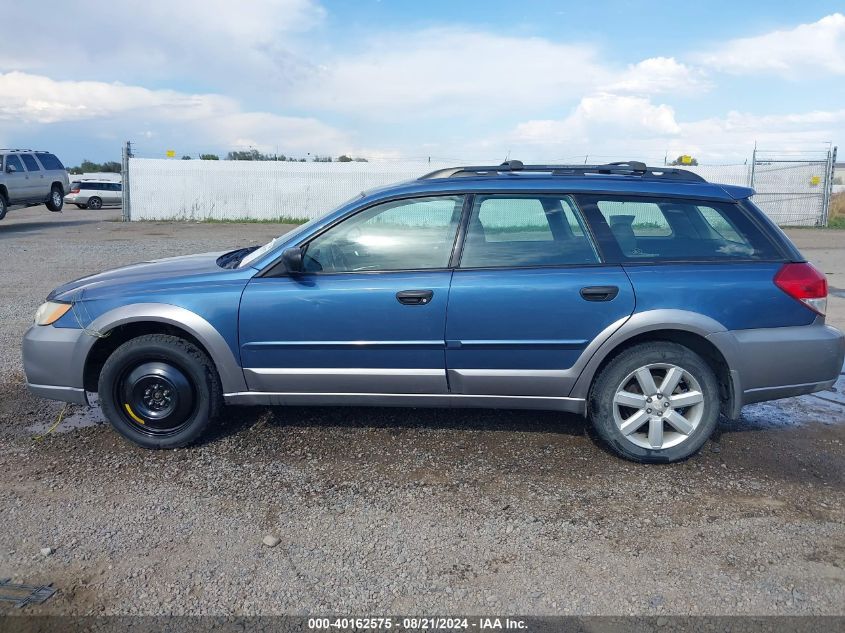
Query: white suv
x=93, y=193
x=29, y=178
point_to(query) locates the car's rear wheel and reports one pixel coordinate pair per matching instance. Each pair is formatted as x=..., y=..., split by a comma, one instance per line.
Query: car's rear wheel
x=57, y=199
x=95, y=203
x=655, y=402
x=82, y=206
x=160, y=391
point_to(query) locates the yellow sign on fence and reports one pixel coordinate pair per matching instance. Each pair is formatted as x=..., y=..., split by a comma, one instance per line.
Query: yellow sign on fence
x=171, y=153
x=815, y=181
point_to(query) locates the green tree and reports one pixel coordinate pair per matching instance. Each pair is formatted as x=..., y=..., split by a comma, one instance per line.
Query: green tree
x=209, y=157
x=186, y=157
x=343, y=158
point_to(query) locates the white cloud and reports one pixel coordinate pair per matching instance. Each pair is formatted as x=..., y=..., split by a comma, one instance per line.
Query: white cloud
x=216, y=43
x=635, y=128
x=449, y=71
x=601, y=115
x=808, y=49
x=216, y=119
x=659, y=75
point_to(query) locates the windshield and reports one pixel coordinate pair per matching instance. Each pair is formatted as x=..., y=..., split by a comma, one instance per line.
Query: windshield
x=269, y=246
x=257, y=254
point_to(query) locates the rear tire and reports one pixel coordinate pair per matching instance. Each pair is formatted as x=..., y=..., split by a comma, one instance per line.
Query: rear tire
x=644, y=424
x=160, y=391
x=57, y=199
x=95, y=203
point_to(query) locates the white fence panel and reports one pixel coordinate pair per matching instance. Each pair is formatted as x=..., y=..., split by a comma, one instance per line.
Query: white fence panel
x=164, y=189
x=790, y=192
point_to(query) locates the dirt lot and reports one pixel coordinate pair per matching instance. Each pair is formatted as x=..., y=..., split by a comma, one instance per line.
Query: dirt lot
x=401, y=510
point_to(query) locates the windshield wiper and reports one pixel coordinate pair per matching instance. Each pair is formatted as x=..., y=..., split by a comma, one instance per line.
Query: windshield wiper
x=233, y=258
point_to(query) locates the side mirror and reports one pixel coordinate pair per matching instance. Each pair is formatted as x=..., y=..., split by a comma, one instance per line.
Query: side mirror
x=11, y=169
x=292, y=258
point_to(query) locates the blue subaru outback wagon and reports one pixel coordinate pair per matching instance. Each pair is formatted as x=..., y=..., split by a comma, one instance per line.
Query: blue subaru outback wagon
x=645, y=298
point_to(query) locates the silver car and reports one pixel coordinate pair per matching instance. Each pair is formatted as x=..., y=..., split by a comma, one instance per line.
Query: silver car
x=29, y=178
x=91, y=193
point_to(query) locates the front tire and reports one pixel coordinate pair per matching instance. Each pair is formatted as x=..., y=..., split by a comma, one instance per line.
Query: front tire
x=82, y=206
x=160, y=391
x=4, y=206
x=655, y=403
x=57, y=199
x=95, y=203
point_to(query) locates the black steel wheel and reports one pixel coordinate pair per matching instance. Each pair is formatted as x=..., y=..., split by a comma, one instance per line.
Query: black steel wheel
x=160, y=391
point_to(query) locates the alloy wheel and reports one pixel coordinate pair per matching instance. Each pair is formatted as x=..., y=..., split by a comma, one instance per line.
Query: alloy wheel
x=658, y=406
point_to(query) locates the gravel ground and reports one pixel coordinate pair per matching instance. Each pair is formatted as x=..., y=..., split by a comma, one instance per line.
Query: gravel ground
x=401, y=510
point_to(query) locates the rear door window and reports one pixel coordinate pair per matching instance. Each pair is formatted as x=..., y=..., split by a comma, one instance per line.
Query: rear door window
x=30, y=162
x=525, y=230
x=669, y=229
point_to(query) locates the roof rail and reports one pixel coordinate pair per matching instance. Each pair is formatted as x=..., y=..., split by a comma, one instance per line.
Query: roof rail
x=17, y=149
x=627, y=168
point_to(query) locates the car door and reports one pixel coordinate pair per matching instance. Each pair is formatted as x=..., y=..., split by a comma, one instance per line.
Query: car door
x=38, y=183
x=528, y=297
x=17, y=180
x=368, y=313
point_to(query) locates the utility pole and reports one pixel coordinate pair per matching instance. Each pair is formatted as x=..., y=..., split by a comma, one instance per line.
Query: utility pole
x=126, y=154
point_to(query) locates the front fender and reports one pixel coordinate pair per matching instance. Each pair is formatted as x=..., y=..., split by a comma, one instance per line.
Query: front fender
x=231, y=374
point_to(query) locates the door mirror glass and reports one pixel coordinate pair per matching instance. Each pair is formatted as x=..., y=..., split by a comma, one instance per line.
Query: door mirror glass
x=292, y=258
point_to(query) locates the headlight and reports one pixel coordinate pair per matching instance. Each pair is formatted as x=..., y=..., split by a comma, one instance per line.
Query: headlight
x=50, y=312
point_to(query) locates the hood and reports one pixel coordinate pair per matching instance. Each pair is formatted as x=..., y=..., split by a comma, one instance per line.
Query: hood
x=150, y=272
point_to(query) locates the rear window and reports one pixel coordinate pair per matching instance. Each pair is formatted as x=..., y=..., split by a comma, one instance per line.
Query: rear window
x=29, y=161
x=668, y=229
x=49, y=161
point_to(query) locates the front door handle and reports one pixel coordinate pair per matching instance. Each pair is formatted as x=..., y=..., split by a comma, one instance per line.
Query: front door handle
x=599, y=293
x=414, y=297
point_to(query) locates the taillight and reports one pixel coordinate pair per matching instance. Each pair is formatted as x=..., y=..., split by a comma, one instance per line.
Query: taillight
x=806, y=283
x=74, y=190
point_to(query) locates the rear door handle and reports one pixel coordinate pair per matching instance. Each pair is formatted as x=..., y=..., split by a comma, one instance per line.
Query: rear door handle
x=599, y=293
x=414, y=297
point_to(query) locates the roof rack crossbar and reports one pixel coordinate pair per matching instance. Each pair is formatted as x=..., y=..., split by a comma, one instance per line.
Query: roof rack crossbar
x=627, y=168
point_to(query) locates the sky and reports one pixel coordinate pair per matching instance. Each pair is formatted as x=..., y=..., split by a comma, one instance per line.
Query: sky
x=455, y=81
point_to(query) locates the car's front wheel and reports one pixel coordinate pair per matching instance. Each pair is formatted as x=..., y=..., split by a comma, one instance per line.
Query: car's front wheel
x=57, y=199
x=82, y=206
x=160, y=391
x=655, y=402
x=4, y=206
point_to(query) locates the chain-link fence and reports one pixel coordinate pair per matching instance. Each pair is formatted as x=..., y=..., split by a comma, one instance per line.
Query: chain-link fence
x=793, y=191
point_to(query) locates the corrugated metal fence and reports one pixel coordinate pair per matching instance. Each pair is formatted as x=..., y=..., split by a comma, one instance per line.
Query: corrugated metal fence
x=792, y=192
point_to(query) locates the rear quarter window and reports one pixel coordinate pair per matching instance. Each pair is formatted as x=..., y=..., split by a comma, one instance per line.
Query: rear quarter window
x=638, y=229
x=50, y=162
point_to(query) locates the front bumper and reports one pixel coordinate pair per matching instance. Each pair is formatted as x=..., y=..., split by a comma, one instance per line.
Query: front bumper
x=772, y=363
x=54, y=362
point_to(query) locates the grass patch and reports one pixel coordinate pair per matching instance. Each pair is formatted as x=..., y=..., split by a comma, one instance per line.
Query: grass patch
x=283, y=219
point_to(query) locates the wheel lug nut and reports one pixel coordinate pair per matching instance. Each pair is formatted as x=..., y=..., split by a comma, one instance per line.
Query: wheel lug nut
x=648, y=399
x=648, y=410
